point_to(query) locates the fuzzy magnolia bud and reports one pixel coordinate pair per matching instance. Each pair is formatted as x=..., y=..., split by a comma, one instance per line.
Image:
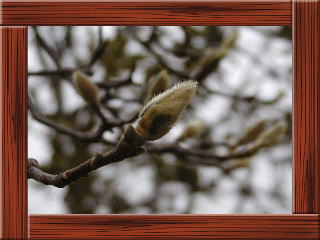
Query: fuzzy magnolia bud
x=161, y=112
x=87, y=89
x=159, y=85
x=272, y=135
x=193, y=129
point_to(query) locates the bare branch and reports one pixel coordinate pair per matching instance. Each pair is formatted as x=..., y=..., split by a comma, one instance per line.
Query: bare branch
x=128, y=146
x=63, y=72
x=51, y=51
x=248, y=99
x=90, y=136
x=178, y=150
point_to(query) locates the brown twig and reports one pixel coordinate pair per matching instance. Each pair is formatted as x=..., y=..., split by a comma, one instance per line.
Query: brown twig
x=111, y=123
x=62, y=72
x=115, y=83
x=208, y=158
x=129, y=145
x=147, y=46
x=119, y=82
x=235, y=97
x=98, y=53
x=84, y=136
x=49, y=50
x=59, y=72
x=90, y=136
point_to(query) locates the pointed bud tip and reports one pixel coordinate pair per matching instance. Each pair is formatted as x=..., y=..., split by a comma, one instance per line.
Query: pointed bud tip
x=186, y=89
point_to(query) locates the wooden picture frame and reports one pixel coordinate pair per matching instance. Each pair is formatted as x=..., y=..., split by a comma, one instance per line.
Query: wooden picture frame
x=302, y=15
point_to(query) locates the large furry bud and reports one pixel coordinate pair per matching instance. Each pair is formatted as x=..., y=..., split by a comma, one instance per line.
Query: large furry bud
x=163, y=111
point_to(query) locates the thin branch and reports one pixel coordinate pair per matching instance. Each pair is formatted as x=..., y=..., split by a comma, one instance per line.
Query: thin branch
x=100, y=35
x=84, y=136
x=111, y=123
x=119, y=82
x=51, y=51
x=248, y=99
x=147, y=46
x=97, y=53
x=90, y=136
x=128, y=146
x=116, y=83
x=62, y=72
x=177, y=149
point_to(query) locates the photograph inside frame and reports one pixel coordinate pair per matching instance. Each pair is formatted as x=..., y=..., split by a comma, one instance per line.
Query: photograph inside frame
x=159, y=120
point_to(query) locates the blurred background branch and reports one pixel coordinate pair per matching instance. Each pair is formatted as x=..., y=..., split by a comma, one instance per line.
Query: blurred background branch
x=233, y=141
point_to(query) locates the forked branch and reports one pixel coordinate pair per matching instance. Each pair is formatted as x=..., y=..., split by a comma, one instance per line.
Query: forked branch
x=128, y=146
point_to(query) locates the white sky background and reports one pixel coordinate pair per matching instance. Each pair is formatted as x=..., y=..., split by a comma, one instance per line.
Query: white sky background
x=275, y=53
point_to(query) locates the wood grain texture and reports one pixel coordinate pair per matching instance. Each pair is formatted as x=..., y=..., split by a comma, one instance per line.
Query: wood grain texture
x=172, y=12
x=174, y=226
x=306, y=108
x=13, y=131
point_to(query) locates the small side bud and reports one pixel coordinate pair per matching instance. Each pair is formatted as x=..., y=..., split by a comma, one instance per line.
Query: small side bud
x=210, y=62
x=163, y=111
x=251, y=133
x=272, y=135
x=159, y=85
x=192, y=129
x=87, y=89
